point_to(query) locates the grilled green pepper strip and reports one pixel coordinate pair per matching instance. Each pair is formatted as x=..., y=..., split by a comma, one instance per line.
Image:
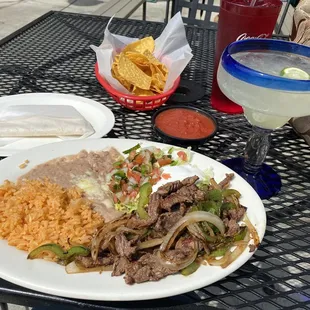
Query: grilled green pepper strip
x=241, y=235
x=174, y=163
x=203, y=186
x=171, y=150
x=120, y=175
x=118, y=164
x=228, y=206
x=205, y=231
x=205, y=205
x=50, y=247
x=190, y=269
x=134, y=148
x=210, y=206
x=219, y=252
x=78, y=250
x=144, y=194
x=59, y=252
x=230, y=192
x=215, y=195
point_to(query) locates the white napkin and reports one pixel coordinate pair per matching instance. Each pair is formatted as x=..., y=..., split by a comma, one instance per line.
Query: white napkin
x=171, y=48
x=60, y=121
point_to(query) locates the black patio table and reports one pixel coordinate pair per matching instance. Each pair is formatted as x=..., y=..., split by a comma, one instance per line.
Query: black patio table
x=52, y=54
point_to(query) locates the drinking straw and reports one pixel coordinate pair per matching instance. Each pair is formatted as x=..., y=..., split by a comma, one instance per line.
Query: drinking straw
x=252, y=2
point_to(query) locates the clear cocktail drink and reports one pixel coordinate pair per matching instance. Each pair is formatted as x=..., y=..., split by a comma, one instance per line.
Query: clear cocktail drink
x=266, y=107
x=270, y=79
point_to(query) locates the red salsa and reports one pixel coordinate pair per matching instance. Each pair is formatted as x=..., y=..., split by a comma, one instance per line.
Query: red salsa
x=185, y=123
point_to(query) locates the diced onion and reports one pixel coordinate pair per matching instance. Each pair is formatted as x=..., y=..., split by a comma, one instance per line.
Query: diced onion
x=132, y=181
x=119, y=195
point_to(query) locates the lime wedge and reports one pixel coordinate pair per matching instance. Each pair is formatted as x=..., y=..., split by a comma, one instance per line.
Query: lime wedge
x=295, y=74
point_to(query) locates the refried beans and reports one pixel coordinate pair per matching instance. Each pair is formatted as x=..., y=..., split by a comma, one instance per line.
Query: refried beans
x=86, y=170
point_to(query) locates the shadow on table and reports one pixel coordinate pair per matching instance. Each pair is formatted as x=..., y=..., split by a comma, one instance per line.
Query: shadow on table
x=11, y=293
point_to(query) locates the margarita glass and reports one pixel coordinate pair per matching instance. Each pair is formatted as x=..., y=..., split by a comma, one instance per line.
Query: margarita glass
x=270, y=80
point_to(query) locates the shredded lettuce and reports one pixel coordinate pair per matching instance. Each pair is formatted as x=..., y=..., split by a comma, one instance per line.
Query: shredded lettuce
x=167, y=149
x=189, y=154
x=128, y=207
x=178, y=161
x=158, y=154
x=208, y=174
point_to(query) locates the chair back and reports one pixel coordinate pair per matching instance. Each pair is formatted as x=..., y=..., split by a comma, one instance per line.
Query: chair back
x=202, y=13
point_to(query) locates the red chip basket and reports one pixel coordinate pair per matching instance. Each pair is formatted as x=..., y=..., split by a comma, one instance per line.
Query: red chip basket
x=138, y=103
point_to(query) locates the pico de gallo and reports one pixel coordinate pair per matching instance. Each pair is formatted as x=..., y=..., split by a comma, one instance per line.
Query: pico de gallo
x=134, y=175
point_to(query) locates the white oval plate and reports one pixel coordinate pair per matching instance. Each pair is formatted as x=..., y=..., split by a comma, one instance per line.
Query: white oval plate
x=51, y=278
x=100, y=117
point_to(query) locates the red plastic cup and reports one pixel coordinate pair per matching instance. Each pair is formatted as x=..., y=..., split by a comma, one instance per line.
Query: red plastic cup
x=240, y=21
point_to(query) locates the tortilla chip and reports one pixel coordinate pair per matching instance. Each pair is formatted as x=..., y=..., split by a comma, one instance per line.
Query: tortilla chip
x=117, y=76
x=138, y=58
x=142, y=92
x=141, y=46
x=132, y=74
x=138, y=70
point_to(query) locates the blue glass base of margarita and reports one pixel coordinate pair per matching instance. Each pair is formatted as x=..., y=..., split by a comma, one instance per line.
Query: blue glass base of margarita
x=266, y=182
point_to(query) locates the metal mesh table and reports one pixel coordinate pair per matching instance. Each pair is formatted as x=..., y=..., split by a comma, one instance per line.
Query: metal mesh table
x=52, y=54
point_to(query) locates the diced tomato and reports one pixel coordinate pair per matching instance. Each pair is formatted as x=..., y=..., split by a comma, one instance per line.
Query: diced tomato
x=155, y=176
x=122, y=198
x=111, y=186
x=164, y=161
x=166, y=176
x=130, y=165
x=115, y=199
x=124, y=188
x=137, y=176
x=132, y=155
x=156, y=171
x=182, y=155
x=138, y=159
x=133, y=194
x=134, y=174
x=155, y=179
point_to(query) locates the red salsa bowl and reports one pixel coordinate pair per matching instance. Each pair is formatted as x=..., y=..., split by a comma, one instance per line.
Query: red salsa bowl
x=185, y=125
x=137, y=103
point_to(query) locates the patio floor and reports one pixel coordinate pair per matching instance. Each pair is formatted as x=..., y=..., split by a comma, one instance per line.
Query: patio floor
x=16, y=13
